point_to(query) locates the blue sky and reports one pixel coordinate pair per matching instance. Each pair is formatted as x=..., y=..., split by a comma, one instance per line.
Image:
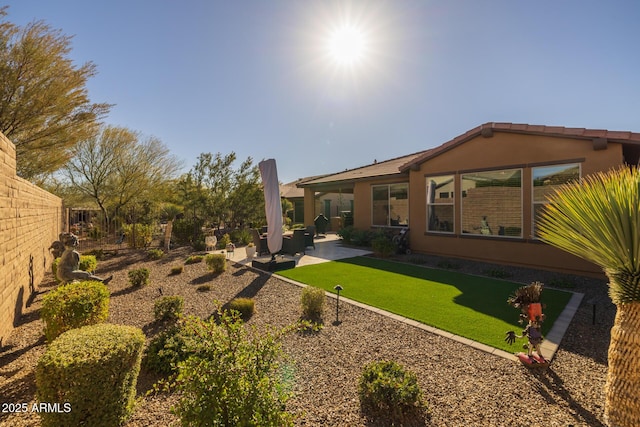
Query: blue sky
x=254, y=77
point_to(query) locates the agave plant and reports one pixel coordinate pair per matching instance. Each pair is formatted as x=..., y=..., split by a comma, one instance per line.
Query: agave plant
x=598, y=219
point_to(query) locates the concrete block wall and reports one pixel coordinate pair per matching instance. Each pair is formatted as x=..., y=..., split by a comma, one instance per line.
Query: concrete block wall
x=30, y=220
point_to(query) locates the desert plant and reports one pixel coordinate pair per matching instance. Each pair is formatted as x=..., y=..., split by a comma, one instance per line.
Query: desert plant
x=241, y=236
x=447, y=264
x=383, y=246
x=203, y=288
x=88, y=263
x=312, y=301
x=168, y=348
x=194, y=259
x=76, y=369
x=168, y=308
x=139, y=277
x=138, y=235
x=74, y=305
x=245, y=306
x=345, y=233
x=388, y=392
x=155, y=254
x=224, y=241
x=176, y=269
x=216, y=263
x=221, y=383
x=598, y=219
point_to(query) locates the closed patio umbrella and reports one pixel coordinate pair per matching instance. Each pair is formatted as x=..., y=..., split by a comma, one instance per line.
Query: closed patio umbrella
x=272, y=204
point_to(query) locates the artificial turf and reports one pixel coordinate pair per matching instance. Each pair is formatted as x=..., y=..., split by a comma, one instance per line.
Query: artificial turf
x=474, y=307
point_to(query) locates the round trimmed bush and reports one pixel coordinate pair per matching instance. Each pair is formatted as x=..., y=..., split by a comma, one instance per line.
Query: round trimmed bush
x=216, y=262
x=168, y=308
x=312, y=301
x=388, y=392
x=94, y=369
x=245, y=306
x=74, y=305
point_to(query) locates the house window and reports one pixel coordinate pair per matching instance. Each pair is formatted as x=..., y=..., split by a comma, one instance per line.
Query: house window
x=492, y=203
x=546, y=180
x=390, y=205
x=440, y=208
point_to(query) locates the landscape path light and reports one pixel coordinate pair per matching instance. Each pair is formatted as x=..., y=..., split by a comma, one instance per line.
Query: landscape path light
x=338, y=288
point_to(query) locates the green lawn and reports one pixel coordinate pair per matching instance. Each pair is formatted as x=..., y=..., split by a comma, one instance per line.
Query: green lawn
x=469, y=306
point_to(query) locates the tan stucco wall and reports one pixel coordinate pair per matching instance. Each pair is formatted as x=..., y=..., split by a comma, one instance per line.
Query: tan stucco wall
x=30, y=220
x=501, y=151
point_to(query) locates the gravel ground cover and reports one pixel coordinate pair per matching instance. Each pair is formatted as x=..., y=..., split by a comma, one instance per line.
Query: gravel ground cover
x=462, y=386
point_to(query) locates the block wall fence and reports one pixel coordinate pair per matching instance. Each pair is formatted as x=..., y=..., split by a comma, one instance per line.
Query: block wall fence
x=30, y=220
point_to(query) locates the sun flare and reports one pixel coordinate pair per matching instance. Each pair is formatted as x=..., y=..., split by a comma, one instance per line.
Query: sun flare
x=347, y=45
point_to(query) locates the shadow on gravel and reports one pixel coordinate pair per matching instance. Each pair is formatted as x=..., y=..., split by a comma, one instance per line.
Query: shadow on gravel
x=551, y=388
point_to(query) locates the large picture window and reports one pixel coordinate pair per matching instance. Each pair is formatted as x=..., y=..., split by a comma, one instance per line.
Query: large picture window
x=546, y=180
x=390, y=205
x=440, y=203
x=492, y=203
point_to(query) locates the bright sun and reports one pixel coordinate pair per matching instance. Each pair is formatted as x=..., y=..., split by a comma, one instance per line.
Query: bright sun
x=347, y=46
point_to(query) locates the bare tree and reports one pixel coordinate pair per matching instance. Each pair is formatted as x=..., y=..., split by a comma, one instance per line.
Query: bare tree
x=44, y=104
x=117, y=168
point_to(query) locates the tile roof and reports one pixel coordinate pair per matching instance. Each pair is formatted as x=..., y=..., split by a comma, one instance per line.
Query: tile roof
x=558, y=131
x=379, y=169
x=401, y=165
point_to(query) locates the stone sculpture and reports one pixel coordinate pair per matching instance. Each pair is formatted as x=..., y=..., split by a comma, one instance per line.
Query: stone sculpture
x=68, y=267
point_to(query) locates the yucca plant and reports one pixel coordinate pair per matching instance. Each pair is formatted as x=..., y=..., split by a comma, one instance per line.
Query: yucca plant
x=598, y=219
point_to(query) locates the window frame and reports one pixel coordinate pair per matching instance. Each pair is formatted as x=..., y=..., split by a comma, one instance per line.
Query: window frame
x=450, y=202
x=463, y=195
x=388, y=206
x=545, y=202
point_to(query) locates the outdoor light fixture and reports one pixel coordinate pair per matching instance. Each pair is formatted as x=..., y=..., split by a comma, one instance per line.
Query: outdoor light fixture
x=338, y=288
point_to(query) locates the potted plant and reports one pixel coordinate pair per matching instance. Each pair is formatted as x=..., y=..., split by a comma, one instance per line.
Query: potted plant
x=251, y=250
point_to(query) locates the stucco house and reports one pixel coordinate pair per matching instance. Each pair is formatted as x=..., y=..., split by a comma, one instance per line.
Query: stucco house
x=476, y=196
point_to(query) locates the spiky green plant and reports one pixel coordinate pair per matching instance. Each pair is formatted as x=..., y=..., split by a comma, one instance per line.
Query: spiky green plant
x=598, y=219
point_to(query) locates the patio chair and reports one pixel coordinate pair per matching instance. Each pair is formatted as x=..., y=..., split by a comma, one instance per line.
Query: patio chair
x=210, y=243
x=308, y=236
x=294, y=244
x=259, y=242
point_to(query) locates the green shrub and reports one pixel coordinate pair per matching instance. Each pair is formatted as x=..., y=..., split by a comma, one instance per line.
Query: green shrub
x=168, y=307
x=241, y=236
x=138, y=235
x=203, y=288
x=498, y=273
x=224, y=241
x=388, y=392
x=94, y=370
x=74, y=305
x=312, y=301
x=194, y=259
x=155, y=254
x=245, y=306
x=216, y=262
x=98, y=253
x=361, y=237
x=221, y=383
x=88, y=263
x=199, y=245
x=346, y=233
x=177, y=269
x=187, y=230
x=446, y=264
x=139, y=277
x=383, y=246
x=167, y=349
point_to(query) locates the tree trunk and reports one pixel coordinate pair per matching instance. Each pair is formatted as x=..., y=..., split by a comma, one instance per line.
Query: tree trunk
x=622, y=407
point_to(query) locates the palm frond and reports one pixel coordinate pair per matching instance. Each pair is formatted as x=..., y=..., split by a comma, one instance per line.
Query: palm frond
x=598, y=219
